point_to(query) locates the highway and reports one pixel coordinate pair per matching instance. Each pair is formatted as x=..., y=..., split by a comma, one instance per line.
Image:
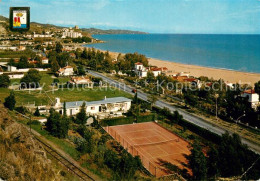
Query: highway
x=187, y=116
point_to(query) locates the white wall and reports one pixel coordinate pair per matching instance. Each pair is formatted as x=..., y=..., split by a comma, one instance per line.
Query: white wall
x=95, y=109
x=16, y=76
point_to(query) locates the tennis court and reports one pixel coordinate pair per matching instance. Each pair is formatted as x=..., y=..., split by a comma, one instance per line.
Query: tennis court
x=153, y=144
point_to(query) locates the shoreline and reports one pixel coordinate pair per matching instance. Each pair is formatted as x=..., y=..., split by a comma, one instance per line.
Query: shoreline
x=231, y=76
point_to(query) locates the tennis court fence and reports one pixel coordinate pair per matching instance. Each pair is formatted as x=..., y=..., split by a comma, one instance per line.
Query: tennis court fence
x=135, y=151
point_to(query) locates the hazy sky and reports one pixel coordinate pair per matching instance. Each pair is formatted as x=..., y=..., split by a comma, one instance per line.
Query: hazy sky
x=154, y=16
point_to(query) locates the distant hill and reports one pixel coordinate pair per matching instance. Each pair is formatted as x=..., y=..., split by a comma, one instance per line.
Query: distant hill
x=110, y=31
x=35, y=26
x=2, y=18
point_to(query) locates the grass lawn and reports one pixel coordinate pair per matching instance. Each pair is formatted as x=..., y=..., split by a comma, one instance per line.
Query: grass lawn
x=87, y=94
x=14, y=54
x=40, y=98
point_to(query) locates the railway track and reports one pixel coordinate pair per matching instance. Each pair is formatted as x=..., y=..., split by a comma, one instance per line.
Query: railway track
x=68, y=164
x=64, y=161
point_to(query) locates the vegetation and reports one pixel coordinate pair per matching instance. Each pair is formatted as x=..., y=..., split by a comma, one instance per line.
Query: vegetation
x=4, y=80
x=100, y=61
x=10, y=101
x=83, y=39
x=31, y=79
x=109, y=159
x=81, y=117
x=257, y=88
x=57, y=125
x=128, y=120
x=16, y=54
x=37, y=112
x=230, y=158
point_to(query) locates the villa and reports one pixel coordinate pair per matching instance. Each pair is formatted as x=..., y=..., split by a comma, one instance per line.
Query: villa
x=142, y=71
x=83, y=80
x=65, y=71
x=253, y=97
x=45, y=60
x=107, y=105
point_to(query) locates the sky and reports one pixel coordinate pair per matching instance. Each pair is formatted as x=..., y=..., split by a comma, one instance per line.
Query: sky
x=153, y=16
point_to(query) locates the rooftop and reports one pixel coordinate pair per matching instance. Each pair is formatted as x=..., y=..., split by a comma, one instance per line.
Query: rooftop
x=93, y=103
x=249, y=91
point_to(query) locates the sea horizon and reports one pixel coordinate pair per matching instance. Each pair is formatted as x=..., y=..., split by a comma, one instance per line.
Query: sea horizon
x=234, y=52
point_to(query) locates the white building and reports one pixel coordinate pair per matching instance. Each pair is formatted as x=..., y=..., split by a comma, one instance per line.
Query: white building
x=11, y=68
x=107, y=105
x=71, y=34
x=66, y=71
x=14, y=69
x=156, y=71
x=13, y=48
x=45, y=60
x=140, y=70
x=83, y=80
x=253, y=97
x=42, y=35
x=15, y=75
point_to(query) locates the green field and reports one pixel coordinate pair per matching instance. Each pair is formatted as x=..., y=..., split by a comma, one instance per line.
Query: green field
x=14, y=54
x=40, y=97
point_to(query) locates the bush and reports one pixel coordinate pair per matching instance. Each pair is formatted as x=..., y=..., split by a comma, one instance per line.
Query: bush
x=127, y=120
x=4, y=80
x=34, y=122
x=10, y=101
x=21, y=110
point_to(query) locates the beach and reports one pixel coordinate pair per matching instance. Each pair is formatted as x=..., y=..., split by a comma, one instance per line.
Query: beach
x=230, y=76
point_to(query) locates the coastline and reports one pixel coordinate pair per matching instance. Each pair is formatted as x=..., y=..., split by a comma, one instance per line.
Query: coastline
x=231, y=76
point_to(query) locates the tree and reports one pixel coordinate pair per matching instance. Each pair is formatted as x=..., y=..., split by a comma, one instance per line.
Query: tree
x=31, y=79
x=150, y=76
x=111, y=159
x=58, y=47
x=81, y=117
x=55, y=66
x=128, y=166
x=57, y=126
x=10, y=101
x=213, y=161
x=135, y=100
x=37, y=112
x=152, y=99
x=232, y=156
x=78, y=53
x=4, y=80
x=197, y=162
x=64, y=110
x=257, y=88
x=23, y=63
x=81, y=70
x=177, y=117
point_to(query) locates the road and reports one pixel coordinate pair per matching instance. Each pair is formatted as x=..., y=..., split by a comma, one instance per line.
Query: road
x=187, y=116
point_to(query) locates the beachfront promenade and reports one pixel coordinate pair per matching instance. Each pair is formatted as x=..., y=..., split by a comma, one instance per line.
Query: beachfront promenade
x=187, y=116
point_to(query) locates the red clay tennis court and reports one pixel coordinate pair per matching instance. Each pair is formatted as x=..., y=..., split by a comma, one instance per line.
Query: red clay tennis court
x=153, y=144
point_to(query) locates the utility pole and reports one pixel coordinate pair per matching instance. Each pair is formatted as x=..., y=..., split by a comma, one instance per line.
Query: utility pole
x=216, y=97
x=30, y=123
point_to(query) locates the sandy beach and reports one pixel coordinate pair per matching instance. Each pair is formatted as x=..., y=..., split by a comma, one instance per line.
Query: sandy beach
x=230, y=76
x=197, y=71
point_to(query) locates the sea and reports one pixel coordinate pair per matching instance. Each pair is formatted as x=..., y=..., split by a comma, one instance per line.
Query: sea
x=233, y=52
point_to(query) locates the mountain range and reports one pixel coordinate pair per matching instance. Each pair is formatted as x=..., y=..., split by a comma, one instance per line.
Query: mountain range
x=84, y=30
